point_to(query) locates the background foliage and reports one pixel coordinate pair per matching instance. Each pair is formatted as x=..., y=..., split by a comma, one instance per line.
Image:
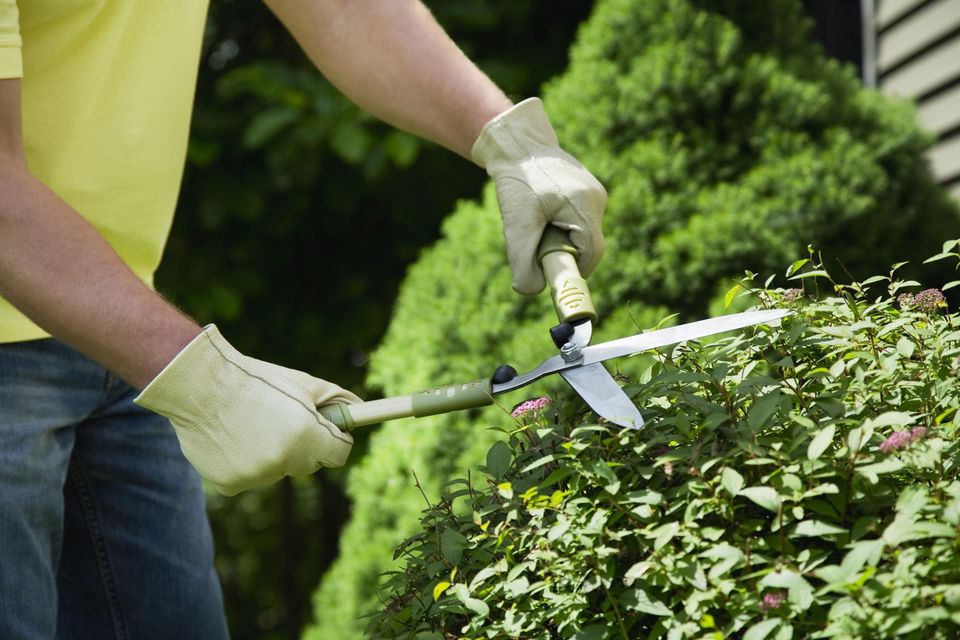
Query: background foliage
x=282, y=169
x=297, y=218
x=798, y=481
x=727, y=141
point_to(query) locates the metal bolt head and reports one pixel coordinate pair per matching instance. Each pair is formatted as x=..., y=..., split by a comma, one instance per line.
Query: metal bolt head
x=570, y=352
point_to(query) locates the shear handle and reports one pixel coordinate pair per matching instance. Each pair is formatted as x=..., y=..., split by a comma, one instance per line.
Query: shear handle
x=570, y=293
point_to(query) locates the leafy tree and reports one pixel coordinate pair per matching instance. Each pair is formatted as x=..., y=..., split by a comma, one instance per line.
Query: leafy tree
x=727, y=141
x=791, y=482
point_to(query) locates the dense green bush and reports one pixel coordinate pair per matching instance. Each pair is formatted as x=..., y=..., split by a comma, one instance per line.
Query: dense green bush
x=727, y=141
x=797, y=481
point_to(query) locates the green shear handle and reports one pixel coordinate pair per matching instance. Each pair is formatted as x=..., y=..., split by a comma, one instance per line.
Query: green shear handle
x=570, y=293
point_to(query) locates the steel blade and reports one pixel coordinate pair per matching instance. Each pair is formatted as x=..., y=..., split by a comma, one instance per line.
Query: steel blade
x=643, y=342
x=681, y=333
x=602, y=393
x=582, y=333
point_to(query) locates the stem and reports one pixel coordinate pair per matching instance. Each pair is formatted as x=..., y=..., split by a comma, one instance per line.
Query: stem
x=419, y=486
x=783, y=538
x=616, y=611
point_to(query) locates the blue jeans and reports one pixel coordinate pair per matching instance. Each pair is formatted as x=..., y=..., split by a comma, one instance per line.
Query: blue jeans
x=103, y=530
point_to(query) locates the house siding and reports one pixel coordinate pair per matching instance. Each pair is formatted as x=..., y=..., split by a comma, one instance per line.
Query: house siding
x=917, y=56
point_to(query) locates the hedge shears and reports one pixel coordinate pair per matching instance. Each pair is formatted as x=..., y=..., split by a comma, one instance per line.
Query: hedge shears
x=578, y=362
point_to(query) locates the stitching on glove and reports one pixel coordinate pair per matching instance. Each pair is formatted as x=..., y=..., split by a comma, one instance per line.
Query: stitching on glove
x=311, y=410
x=556, y=187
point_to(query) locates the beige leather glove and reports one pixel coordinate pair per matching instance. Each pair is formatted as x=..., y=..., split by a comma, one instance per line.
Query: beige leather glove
x=244, y=422
x=538, y=184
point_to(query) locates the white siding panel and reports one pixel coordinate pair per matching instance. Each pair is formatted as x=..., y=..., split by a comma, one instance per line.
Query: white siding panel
x=890, y=10
x=942, y=112
x=926, y=73
x=945, y=159
x=925, y=26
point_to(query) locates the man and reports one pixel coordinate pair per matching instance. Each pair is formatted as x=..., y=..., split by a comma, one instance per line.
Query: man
x=102, y=525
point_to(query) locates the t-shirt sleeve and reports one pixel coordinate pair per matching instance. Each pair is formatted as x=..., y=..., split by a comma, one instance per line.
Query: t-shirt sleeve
x=11, y=62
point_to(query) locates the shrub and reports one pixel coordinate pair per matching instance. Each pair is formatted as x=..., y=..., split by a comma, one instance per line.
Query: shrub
x=797, y=481
x=726, y=141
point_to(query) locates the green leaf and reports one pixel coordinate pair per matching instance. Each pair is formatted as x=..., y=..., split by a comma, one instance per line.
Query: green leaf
x=401, y=147
x=858, y=437
x=593, y=632
x=912, y=500
x=861, y=553
x=927, y=529
x=727, y=557
x=950, y=285
x=266, y=124
x=803, y=421
x=439, y=589
x=539, y=462
x=763, y=408
x=899, y=531
x=766, y=497
x=665, y=534
x=891, y=419
x=905, y=529
x=482, y=575
x=730, y=295
x=479, y=607
x=821, y=489
x=636, y=599
x=498, y=459
x=816, y=273
x=939, y=256
x=452, y=544
x=872, y=472
x=732, y=481
x=517, y=587
x=905, y=347
x=792, y=269
x=635, y=572
x=785, y=632
x=817, y=528
x=821, y=442
x=761, y=630
x=351, y=141
x=605, y=473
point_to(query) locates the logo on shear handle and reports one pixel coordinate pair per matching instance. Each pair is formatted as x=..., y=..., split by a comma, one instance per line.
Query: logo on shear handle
x=571, y=295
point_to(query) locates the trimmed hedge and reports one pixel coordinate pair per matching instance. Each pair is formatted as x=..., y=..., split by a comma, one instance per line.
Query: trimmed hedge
x=800, y=481
x=726, y=141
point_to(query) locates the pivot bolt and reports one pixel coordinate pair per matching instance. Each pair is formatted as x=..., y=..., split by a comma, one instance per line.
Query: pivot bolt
x=570, y=352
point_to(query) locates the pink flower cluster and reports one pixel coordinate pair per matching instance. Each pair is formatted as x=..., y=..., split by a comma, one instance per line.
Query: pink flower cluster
x=772, y=600
x=928, y=300
x=792, y=295
x=530, y=406
x=901, y=439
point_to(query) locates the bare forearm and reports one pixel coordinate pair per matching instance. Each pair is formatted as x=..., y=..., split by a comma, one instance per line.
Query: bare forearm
x=395, y=61
x=63, y=275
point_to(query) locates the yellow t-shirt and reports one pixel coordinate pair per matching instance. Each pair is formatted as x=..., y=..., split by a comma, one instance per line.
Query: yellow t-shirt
x=107, y=93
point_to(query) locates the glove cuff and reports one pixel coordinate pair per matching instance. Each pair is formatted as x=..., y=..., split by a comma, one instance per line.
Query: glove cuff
x=513, y=134
x=175, y=386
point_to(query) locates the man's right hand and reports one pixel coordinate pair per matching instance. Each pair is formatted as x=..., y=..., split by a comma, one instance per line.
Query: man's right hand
x=243, y=422
x=539, y=184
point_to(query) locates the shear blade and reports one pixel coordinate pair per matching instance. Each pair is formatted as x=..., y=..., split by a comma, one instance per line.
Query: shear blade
x=602, y=393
